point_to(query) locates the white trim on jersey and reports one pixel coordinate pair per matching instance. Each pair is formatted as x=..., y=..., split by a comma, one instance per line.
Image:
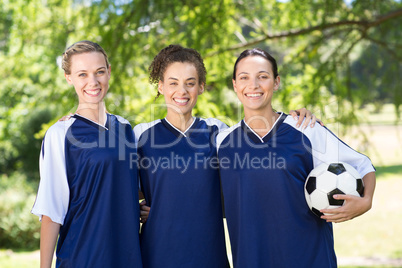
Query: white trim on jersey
x=121, y=119
x=224, y=133
x=273, y=126
x=141, y=128
x=53, y=194
x=138, y=130
x=328, y=148
x=213, y=121
x=94, y=121
x=178, y=130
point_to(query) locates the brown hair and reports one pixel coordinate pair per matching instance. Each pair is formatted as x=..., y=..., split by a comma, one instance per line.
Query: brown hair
x=172, y=54
x=79, y=48
x=257, y=52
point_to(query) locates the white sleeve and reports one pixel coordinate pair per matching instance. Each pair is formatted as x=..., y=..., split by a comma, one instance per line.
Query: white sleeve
x=328, y=148
x=224, y=133
x=213, y=121
x=138, y=130
x=141, y=128
x=53, y=194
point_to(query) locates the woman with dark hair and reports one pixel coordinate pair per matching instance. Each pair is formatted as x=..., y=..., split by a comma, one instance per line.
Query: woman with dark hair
x=264, y=162
x=178, y=170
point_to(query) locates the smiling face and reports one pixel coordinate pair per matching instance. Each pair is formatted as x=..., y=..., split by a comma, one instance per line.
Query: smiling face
x=90, y=77
x=180, y=88
x=255, y=83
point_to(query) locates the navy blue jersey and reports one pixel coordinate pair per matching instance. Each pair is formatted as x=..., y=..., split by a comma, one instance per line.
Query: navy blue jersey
x=88, y=186
x=180, y=180
x=269, y=222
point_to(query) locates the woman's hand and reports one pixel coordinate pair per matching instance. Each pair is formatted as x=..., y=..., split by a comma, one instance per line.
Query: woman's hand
x=66, y=117
x=144, y=211
x=354, y=206
x=302, y=113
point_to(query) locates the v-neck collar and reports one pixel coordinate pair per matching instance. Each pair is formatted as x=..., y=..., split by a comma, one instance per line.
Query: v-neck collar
x=93, y=123
x=255, y=137
x=177, y=132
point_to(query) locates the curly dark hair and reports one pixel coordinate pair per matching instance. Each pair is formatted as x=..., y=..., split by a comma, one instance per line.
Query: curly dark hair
x=172, y=54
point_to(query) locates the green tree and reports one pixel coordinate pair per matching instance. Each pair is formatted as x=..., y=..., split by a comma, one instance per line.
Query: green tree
x=325, y=49
x=334, y=57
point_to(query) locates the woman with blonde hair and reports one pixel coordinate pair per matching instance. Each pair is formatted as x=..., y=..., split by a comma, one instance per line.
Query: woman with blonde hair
x=88, y=193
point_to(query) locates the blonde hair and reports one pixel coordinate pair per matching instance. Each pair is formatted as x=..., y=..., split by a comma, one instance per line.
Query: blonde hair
x=79, y=48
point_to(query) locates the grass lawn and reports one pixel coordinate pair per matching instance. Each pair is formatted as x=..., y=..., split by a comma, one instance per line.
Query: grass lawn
x=23, y=259
x=376, y=235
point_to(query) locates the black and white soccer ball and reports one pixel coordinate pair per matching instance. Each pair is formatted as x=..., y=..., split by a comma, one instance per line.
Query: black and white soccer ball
x=326, y=180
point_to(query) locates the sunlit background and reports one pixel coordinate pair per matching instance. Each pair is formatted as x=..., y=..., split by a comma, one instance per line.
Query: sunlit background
x=340, y=59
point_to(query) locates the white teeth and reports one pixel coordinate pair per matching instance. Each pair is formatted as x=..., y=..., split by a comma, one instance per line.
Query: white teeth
x=181, y=100
x=254, y=94
x=93, y=92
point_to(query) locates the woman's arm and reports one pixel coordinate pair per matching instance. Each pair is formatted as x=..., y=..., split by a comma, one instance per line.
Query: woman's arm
x=48, y=236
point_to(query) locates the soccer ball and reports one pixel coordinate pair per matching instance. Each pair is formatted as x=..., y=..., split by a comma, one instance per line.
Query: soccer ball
x=326, y=180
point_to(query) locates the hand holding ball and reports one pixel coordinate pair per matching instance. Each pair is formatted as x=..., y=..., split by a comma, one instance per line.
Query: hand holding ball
x=326, y=180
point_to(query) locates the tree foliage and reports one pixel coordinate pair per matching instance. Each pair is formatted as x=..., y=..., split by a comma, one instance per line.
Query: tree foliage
x=334, y=57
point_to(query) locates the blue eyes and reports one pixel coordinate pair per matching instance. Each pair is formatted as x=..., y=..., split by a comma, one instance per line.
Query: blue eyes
x=97, y=73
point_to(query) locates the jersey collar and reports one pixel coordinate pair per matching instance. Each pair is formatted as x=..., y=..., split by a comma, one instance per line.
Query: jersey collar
x=92, y=123
x=177, y=132
x=255, y=137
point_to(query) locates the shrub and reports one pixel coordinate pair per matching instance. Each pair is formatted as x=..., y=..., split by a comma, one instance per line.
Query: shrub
x=19, y=229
